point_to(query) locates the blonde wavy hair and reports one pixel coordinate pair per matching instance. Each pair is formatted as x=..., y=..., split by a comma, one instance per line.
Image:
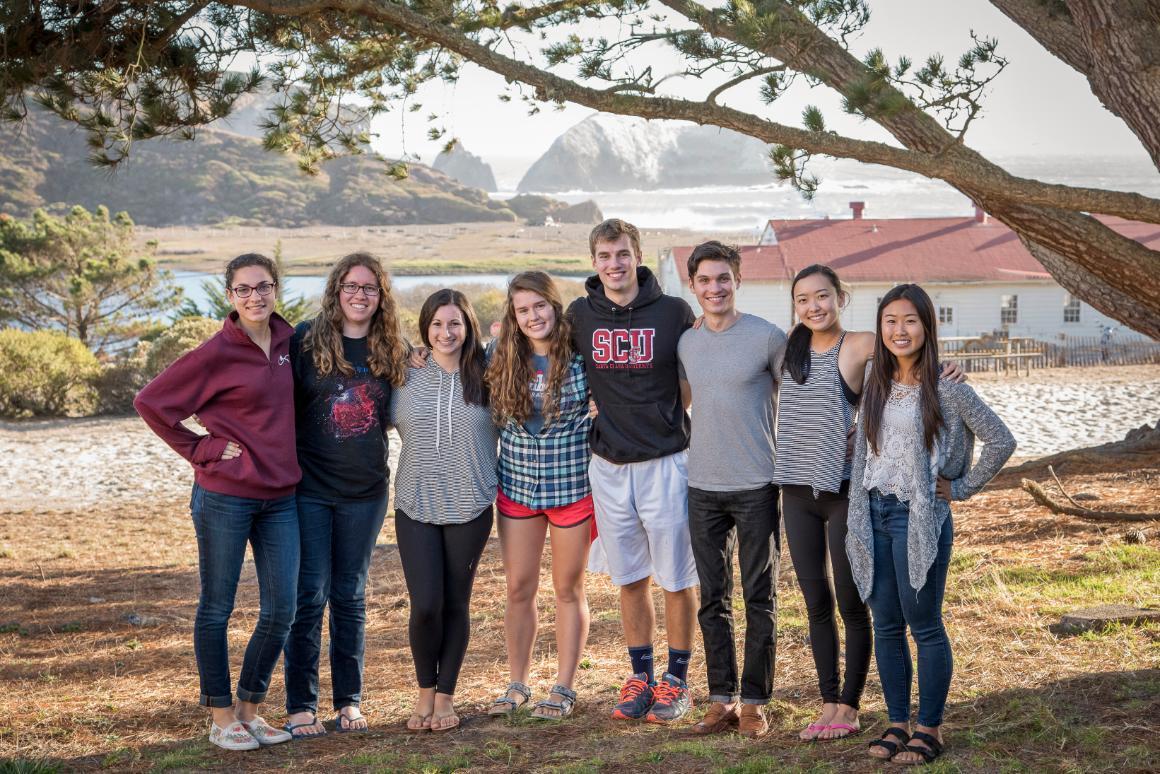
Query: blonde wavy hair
x=387, y=350
x=509, y=375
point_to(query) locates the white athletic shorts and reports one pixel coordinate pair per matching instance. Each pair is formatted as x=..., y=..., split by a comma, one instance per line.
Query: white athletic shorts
x=642, y=516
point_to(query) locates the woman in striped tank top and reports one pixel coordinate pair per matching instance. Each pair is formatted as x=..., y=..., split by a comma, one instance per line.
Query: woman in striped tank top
x=822, y=379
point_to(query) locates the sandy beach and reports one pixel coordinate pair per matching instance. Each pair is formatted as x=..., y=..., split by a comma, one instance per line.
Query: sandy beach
x=74, y=463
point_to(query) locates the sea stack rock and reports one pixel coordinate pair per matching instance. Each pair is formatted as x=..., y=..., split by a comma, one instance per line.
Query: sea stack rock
x=466, y=167
x=614, y=153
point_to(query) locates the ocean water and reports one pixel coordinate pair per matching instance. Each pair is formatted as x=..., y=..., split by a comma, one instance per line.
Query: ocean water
x=887, y=192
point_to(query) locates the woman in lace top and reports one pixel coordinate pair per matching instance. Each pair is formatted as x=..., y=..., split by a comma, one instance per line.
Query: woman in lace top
x=912, y=456
x=818, y=393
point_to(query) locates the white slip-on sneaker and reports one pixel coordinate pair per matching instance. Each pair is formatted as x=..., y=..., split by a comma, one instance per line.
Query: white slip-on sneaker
x=232, y=737
x=266, y=733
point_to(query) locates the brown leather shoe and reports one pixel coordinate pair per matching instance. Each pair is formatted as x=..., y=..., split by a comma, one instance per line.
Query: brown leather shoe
x=718, y=719
x=753, y=724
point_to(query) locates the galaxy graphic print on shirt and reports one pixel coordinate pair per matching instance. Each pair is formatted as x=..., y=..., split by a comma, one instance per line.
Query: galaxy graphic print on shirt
x=352, y=409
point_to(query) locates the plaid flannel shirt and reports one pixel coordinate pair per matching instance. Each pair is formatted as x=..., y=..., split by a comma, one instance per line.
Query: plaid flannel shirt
x=550, y=469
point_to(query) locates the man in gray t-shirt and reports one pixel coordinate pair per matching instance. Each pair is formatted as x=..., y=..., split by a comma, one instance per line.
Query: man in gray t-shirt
x=731, y=363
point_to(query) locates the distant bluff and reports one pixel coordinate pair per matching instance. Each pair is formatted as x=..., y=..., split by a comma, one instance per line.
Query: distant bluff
x=464, y=166
x=225, y=176
x=614, y=153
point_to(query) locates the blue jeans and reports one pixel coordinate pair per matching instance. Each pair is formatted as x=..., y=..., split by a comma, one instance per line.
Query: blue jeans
x=224, y=525
x=895, y=605
x=338, y=537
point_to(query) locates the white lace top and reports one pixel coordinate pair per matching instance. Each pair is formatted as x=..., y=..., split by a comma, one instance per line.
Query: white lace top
x=892, y=470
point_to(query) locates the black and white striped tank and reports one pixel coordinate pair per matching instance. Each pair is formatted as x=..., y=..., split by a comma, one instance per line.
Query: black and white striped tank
x=812, y=422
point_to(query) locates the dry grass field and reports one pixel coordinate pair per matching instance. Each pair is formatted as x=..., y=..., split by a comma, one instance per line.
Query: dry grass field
x=457, y=248
x=97, y=668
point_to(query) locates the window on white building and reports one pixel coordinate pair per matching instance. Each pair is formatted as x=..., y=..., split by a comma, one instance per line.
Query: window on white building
x=946, y=314
x=1070, y=309
x=1009, y=310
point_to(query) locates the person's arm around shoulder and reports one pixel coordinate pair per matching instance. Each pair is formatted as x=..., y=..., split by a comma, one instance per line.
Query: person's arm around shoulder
x=998, y=441
x=857, y=351
x=777, y=343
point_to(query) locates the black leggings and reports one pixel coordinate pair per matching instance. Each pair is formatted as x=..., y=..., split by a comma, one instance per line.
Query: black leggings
x=815, y=527
x=439, y=563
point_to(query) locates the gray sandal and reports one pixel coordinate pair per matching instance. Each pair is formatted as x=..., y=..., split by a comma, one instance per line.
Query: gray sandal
x=505, y=705
x=563, y=707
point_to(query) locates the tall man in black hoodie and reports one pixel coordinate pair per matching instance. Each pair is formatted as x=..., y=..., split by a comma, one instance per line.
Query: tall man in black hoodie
x=627, y=330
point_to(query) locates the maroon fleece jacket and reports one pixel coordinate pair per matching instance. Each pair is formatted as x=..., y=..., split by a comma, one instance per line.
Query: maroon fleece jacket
x=239, y=395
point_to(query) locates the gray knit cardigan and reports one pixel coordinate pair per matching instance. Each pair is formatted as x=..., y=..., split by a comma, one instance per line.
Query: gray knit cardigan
x=966, y=417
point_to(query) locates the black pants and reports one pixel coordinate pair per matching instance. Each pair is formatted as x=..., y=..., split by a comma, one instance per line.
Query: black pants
x=439, y=563
x=815, y=527
x=747, y=519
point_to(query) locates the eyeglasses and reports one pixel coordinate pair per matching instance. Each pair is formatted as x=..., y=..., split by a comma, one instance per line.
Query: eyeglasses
x=350, y=288
x=244, y=291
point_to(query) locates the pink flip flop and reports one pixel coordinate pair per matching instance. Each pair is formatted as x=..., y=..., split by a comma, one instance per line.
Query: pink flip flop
x=815, y=728
x=839, y=727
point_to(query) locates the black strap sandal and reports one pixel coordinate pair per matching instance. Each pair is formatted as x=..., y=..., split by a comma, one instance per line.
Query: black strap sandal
x=893, y=748
x=929, y=753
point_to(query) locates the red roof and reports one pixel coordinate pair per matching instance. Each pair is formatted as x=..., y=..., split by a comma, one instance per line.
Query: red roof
x=905, y=250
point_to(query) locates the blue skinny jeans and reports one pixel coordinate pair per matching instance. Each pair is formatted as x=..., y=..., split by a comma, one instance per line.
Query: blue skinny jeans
x=896, y=605
x=338, y=538
x=224, y=525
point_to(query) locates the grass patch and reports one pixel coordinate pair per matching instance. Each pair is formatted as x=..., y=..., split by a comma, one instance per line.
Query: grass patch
x=192, y=756
x=694, y=749
x=1115, y=574
x=28, y=766
x=7, y=553
x=387, y=760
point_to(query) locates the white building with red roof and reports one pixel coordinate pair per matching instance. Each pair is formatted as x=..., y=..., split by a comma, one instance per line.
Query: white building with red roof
x=979, y=275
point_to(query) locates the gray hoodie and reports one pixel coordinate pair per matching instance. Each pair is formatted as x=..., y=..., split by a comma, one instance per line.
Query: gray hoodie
x=447, y=471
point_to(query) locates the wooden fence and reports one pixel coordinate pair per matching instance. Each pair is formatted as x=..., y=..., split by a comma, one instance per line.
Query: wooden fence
x=1021, y=354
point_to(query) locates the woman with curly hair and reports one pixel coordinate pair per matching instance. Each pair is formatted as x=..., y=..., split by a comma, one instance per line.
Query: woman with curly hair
x=539, y=400
x=346, y=361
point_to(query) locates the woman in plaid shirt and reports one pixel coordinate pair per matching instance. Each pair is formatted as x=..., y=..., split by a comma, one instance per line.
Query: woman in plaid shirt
x=539, y=399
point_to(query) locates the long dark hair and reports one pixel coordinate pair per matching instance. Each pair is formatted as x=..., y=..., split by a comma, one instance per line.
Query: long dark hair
x=925, y=370
x=510, y=372
x=471, y=360
x=797, y=349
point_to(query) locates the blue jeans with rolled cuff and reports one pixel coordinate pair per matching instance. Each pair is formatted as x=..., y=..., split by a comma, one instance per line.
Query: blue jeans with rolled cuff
x=225, y=525
x=896, y=605
x=338, y=538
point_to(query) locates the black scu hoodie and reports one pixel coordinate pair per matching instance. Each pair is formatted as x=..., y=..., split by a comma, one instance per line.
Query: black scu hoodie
x=630, y=354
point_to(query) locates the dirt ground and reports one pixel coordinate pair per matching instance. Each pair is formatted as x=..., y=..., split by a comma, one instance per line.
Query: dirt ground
x=98, y=570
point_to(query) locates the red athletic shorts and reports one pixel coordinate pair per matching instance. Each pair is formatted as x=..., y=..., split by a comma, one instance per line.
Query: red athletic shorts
x=569, y=515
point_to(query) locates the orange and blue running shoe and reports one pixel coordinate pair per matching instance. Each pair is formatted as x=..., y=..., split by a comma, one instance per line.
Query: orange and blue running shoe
x=671, y=700
x=636, y=696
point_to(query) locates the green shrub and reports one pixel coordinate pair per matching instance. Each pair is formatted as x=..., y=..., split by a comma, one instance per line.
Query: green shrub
x=119, y=382
x=45, y=374
x=183, y=336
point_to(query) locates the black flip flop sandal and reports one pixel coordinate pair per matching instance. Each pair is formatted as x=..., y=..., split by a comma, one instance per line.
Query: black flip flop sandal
x=891, y=747
x=929, y=753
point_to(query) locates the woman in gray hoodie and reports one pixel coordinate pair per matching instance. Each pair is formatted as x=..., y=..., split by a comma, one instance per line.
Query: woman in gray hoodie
x=444, y=491
x=912, y=455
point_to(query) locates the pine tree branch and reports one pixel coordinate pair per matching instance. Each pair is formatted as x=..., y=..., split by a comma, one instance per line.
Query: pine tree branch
x=961, y=167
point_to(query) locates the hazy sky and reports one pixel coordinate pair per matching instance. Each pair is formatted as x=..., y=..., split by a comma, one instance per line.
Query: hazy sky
x=1037, y=107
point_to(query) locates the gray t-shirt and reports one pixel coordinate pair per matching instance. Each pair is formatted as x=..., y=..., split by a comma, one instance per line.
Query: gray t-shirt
x=733, y=376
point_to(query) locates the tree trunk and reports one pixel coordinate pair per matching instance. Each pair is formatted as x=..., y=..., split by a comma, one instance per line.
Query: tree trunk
x=1115, y=44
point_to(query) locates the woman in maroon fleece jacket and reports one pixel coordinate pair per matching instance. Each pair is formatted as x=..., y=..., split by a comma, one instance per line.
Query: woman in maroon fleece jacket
x=239, y=384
